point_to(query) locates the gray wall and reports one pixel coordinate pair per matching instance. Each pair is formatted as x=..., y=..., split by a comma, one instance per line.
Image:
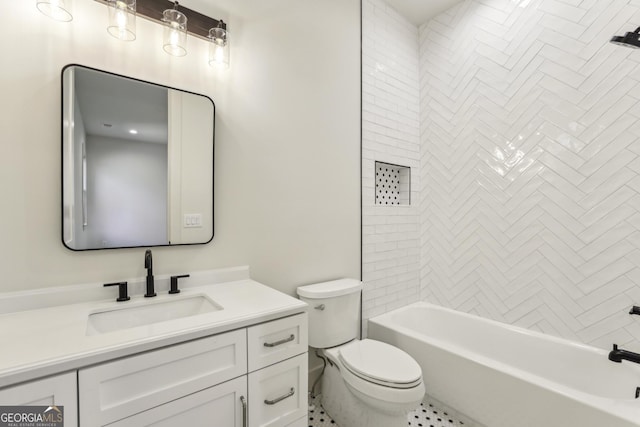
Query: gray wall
x=126, y=192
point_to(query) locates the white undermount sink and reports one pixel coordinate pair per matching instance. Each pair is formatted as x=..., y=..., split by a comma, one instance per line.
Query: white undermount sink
x=148, y=312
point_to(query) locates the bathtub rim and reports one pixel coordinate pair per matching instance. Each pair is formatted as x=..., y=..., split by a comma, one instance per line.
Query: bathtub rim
x=626, y=409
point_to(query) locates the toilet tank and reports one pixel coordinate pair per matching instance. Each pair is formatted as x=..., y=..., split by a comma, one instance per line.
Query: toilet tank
x=334, y=313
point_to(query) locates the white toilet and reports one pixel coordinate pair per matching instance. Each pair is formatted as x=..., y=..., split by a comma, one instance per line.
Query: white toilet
x=366, y=383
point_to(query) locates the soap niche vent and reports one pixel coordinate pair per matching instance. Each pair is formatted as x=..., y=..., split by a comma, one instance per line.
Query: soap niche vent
x=393, y=184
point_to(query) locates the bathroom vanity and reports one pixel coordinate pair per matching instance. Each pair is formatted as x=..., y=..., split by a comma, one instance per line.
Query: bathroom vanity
x=231, y=354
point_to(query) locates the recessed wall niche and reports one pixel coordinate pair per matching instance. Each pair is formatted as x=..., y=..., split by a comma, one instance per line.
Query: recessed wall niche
x=393, y=184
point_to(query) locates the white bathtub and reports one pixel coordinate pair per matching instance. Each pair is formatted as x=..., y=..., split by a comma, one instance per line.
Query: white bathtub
x=505, y=376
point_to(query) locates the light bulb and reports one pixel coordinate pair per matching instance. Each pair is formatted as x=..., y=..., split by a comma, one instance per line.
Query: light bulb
x=122, y=19
x=219, y=46
x=219, y=54
x=175, y=32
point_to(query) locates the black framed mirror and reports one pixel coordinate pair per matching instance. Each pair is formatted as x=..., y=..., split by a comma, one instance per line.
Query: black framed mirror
x=137, y=162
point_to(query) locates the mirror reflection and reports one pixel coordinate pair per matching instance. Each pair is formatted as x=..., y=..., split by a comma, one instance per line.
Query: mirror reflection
x=137, y=162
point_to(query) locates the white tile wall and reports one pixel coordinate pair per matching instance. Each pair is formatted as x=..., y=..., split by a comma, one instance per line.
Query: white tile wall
x=391, y=134
x=530, y=132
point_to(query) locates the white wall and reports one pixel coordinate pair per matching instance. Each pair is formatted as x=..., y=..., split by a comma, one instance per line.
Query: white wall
x=287, y=144
x=390, y=126
x=531, y=210
x=529, y=168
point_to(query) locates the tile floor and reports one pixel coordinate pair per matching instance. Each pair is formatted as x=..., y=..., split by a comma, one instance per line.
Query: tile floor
x=431, y=413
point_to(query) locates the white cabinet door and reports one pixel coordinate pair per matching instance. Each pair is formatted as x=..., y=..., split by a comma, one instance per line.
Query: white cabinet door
x=115, y=390
x=59, y=390
x=278, y=393
x=219, y=406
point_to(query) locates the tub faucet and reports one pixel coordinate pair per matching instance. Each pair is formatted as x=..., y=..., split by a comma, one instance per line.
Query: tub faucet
x=148, y=264
x=618, y=356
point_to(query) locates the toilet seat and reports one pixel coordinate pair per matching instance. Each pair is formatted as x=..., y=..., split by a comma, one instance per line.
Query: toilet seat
x=380, y=363
x=381, y=388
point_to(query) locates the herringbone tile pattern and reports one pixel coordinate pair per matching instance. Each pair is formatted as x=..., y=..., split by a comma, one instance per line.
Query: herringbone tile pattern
x=530, y=144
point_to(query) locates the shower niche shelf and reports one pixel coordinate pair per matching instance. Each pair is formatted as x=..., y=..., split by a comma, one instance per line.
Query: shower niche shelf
x=393, y=184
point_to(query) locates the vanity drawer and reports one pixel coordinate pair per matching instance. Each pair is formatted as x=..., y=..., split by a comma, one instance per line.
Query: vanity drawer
x=279, y=393
x=274, y=341
x=115, y=390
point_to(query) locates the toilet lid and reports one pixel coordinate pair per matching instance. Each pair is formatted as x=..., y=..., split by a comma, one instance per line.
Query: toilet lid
x=381, y=363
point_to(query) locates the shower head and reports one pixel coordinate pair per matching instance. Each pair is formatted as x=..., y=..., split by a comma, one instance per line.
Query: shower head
x=628, y=40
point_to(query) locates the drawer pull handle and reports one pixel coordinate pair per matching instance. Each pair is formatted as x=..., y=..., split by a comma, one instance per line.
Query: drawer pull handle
x=277, y=343
x=244, y=411
x=281, y=398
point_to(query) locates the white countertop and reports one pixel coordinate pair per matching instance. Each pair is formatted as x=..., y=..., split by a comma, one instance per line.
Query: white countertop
x=45, y=341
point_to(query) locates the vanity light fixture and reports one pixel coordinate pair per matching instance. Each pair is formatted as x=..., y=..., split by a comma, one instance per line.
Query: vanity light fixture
x=175, y=31
x=219, y=47
x=122, y=19
x=60, y=10
x=122, y=24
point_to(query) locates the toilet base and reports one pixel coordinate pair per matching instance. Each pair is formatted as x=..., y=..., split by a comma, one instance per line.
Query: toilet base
x=349, y=411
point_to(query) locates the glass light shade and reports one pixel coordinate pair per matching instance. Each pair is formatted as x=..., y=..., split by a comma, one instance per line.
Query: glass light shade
x=122, y=19
x=219, y=47
x=60, y=10
x=175, y=32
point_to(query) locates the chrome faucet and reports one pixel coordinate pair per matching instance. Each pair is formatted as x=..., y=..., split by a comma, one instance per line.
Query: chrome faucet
x=148, y=264
x=618, y=356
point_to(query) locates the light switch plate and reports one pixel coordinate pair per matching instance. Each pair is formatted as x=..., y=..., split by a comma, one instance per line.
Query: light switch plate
x=192, y=220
